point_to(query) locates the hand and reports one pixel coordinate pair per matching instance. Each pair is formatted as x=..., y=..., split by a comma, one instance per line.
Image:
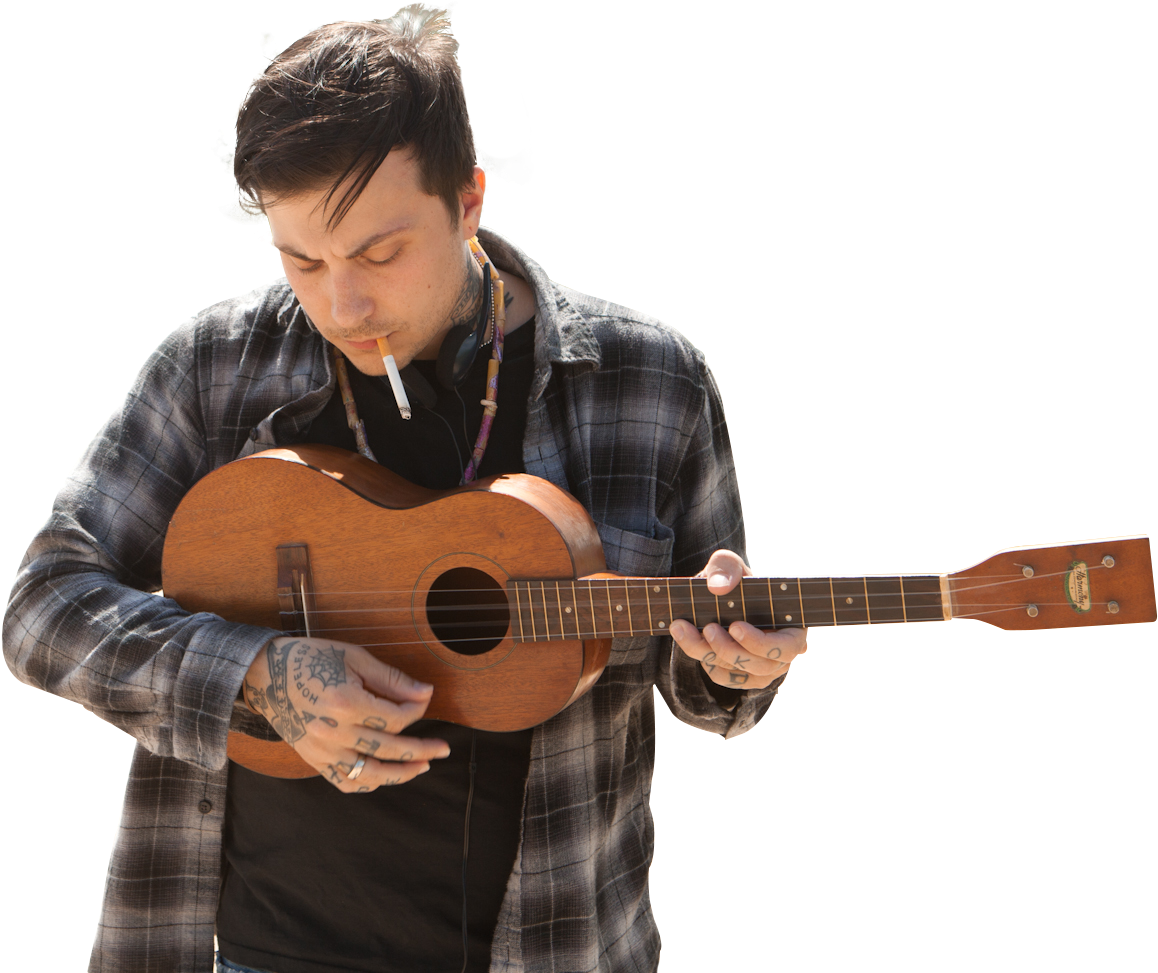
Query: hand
x=740, y=656
x=333, y=702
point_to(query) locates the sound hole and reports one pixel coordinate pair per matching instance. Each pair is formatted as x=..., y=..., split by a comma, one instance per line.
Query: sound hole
x=467, y=611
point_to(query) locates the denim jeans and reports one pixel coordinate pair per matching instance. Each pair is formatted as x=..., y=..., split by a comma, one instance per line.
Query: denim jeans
x=224, y=966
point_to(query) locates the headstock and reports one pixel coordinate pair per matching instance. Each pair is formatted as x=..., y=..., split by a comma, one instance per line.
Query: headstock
x=1103, y=583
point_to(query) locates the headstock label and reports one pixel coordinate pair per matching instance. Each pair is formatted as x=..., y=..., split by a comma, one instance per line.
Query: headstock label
x=1077, y=585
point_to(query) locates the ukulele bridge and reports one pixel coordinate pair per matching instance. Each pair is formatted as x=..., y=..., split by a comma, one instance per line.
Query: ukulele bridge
x=295, y=589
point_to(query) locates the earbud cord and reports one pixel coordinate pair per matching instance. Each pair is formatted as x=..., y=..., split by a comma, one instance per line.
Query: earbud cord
x=466, y=849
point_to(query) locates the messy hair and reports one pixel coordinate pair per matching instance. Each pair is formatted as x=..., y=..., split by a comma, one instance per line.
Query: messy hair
x=332, y=105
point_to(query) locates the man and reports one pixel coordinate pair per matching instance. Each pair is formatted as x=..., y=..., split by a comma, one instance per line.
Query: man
x=356, y=145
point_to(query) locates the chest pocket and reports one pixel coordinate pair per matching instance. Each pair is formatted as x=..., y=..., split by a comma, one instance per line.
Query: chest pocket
x=636, y=555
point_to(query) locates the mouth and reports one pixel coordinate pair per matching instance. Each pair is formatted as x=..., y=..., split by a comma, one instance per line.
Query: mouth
x=370, y=344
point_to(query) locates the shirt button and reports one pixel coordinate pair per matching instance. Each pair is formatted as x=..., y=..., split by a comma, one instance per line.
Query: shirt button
x=204, y=806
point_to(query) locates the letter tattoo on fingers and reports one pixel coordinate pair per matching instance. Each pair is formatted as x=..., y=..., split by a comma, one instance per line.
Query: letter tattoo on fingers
x=775, y=649
x=739, y=663
x=332, y=774
x=737, y=678
x=362, y=790
x=365, y=746
x=408, y=755
x=374, y=723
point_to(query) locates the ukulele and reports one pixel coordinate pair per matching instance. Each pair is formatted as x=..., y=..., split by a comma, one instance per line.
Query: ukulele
x=497, y=592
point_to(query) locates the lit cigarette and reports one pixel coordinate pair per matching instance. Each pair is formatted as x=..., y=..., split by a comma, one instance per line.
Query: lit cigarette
x=395, y=378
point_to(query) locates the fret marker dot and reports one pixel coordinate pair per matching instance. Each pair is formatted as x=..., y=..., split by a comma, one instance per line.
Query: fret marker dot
x=661, y=625
x=619, y=608
x=848, y=601
x=783, y=586
x=656, y=589
x=731, y=604
x=788, y=617
x=567, y=610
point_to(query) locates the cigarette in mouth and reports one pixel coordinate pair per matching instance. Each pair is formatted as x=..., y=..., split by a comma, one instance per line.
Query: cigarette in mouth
x=395, y=378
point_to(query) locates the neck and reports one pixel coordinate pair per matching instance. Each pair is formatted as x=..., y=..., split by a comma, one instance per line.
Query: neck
x=614, y=607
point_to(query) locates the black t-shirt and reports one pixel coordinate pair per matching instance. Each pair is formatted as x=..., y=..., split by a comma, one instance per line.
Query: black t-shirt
x=316, y=880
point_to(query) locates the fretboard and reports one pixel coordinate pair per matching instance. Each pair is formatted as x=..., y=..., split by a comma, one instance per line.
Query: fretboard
x=590, y=608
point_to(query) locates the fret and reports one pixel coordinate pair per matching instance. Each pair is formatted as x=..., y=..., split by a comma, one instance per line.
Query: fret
x=704, y=604
x=884, y=596
x=617, y=603
x=786, y=602
x=610, y=610
x=680, y=602
x=594, y=618
x=564, y=594
x=692, y=602
x=849, y=600
x=671, y=615
x=817, y=602
x=627, y=607
x=771, y=603
x=513, y=586
x=731, y=606
x=569, y=617
x=832, y=595
x=755, y=599
x=922, y=598
x=549, y=622
x=531, y=611
x=647, y=623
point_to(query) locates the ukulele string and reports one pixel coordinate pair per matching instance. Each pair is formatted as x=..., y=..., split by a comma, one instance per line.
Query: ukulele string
x=479, y=611
x=601, y=584
x=550, y=632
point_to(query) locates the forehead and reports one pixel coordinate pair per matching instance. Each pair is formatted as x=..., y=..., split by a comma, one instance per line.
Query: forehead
x=393, y=198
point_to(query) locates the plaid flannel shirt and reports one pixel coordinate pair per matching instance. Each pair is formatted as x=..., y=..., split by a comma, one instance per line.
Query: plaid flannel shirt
x=623, y=413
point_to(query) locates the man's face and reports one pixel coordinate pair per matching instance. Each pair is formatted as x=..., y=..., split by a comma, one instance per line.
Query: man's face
x=394, y=267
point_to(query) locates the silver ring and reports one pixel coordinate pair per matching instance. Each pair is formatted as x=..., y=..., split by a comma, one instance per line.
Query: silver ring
x=356, y=770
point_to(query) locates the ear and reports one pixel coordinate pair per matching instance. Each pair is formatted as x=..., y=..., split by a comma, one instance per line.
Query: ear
x=473, y=203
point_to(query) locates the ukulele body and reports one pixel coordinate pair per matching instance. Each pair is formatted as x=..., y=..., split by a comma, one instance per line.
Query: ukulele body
x=368, y=558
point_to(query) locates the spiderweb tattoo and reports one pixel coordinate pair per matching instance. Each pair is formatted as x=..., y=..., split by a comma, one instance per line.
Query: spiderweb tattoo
x=328, y=666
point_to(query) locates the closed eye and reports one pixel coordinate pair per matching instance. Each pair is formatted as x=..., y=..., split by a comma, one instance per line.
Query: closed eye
x=375, y=263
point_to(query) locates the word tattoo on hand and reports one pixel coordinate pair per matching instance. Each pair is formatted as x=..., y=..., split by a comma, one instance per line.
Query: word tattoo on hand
x=284, y=717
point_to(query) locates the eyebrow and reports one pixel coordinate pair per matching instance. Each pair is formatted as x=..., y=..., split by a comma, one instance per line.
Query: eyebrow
x=360, y=249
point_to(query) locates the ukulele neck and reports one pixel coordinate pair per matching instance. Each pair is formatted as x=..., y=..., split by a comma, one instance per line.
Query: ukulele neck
x=614, y=607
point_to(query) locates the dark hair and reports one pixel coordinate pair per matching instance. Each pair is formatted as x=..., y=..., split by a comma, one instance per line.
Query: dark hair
x=333, y=104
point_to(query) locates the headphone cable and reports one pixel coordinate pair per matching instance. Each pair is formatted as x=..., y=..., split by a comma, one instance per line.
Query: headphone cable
x=466, y=849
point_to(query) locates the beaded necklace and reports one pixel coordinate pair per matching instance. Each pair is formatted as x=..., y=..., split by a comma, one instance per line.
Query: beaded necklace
x=496, y=324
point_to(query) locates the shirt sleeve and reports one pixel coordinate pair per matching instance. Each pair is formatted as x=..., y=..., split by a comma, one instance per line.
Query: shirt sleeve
x=705, y=515
x=86, y=619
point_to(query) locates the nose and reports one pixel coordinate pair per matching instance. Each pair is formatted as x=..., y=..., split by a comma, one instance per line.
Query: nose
x=350, y=302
